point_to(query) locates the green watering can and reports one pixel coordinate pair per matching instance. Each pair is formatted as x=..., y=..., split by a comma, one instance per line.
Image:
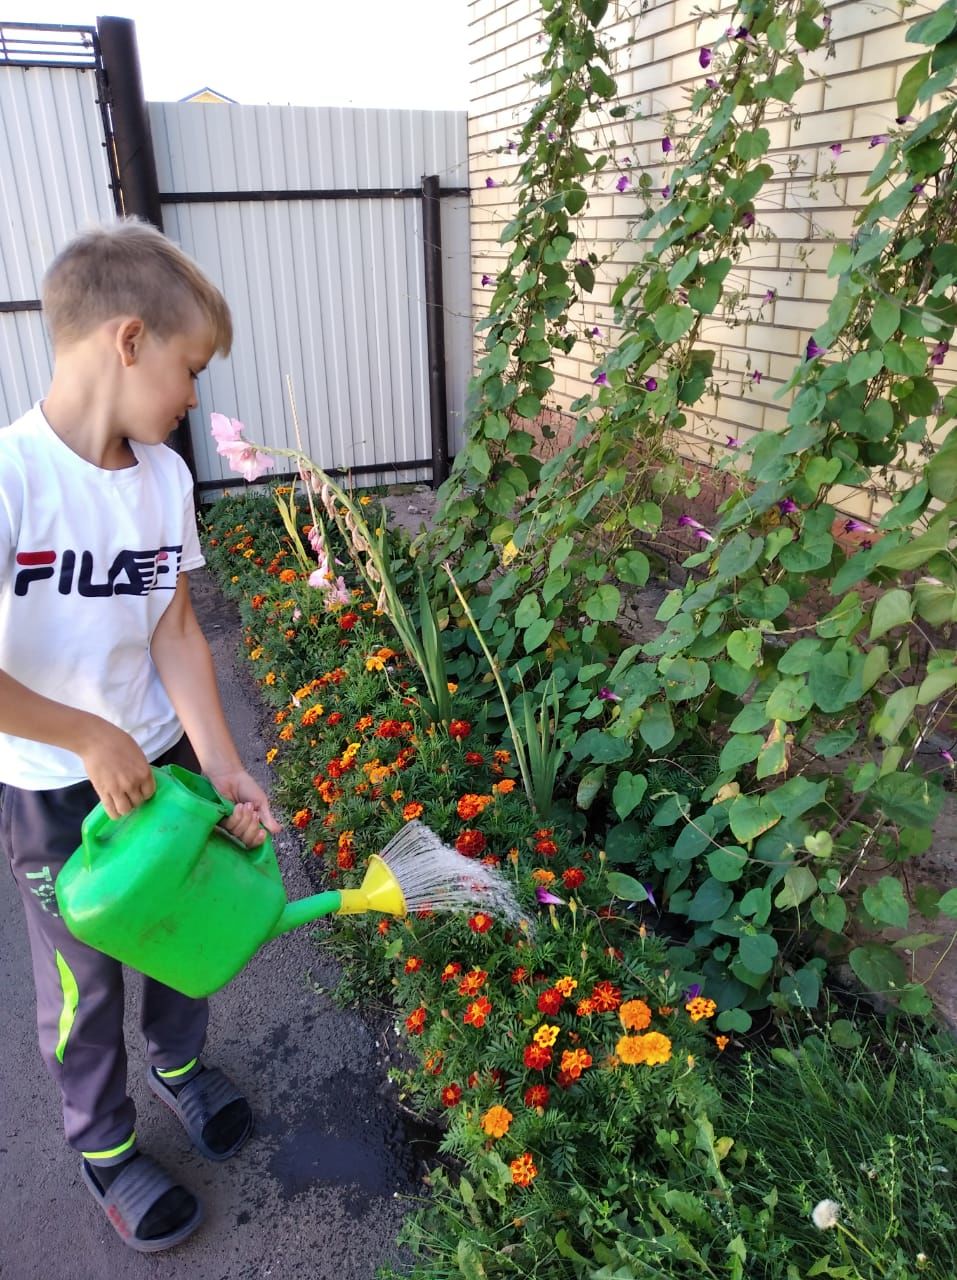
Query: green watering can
x=167, y=892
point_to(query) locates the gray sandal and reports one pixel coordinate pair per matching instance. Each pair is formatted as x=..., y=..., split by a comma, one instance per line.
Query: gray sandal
x=197, y=1102
x=129, y=1198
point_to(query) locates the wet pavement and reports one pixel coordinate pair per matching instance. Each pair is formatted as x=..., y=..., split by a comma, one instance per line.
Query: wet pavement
x=318, y=1193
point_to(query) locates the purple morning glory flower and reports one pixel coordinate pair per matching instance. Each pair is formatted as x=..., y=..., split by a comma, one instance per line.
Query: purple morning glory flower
x=651, y=897
x=596, y=332
x=490, y=182
x=601, y=380
x=651, y=384
x=879, y=139
x=691, y=993
x=546, y=898
x=608, y=695
x=938, y=353
x=511, y=145
x=732, y=442
x=826, y=21
x=770, y=295
x=711, y=82
x=704, y=535
x=704, y=57
x=857, y=526
x=902, y=119
x=947, y=757
x=813, y=350
x=787, y=506
x=917, y=188
x=756, y=375
x=486, y=279
x=687, y=522
x=747, y=219
x=665, y=191
x=622, y=184
x=836, y=148
x=666, y=144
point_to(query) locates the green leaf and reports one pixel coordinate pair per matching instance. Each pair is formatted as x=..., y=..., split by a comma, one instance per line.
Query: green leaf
x=528, y=611
x=537, y=634
x=864, y=365
x=789, y=700
x=623, y=842
x=947, y=903
x=893, y=609
x=757, y=951
x=657, y=727
x=908, y=799
x=832, y=744
x=561, y=550
x=878, y=967
x=885, y=901
x=601, y=747
x=844, y=1034
x=710, y=902
x=633, y=568
x=750, y=816
x=744, y=647
x=738, y=750
x=941, y=472
x=802, y=989
x=830, y=912
x=590, y=786
x=672, y=322
x=602, y=605
x=894, y=715
x=886, y=316
x=733, y=1020
x=728, y=863
x=739, y=555
x=799, y=885
x=752, y=145
x=935, y=683
x=627, y=887
x=629, y=792
x=933, y=29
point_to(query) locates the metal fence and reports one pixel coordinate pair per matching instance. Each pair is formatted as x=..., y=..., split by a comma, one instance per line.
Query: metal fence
x=314, y=223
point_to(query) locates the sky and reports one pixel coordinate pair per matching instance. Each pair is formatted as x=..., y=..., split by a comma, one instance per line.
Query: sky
x=360, y=53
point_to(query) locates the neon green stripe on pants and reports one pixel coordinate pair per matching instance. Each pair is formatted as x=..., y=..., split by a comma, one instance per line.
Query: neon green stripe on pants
x=71, y=998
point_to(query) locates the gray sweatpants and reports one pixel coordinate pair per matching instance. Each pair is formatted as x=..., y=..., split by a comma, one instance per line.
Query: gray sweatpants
x=79, y=990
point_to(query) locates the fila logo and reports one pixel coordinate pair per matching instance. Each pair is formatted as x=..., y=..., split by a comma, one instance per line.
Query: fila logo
x=132, y=573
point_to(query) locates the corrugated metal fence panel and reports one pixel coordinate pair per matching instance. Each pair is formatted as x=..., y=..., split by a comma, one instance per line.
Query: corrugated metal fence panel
x=55, y=181
x=330, y=292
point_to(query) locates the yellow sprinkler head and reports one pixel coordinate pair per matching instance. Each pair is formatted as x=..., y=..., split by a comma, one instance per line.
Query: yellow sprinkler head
x=379, y=891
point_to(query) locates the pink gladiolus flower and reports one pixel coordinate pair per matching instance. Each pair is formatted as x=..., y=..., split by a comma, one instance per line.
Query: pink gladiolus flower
x=246, y=460
x=225, y=430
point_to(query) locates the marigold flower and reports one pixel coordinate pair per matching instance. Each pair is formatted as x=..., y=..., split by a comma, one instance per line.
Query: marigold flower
x=585, y=1007
x=375, y=663
x=496, y=1120
x=451, y=970
x=364, y=722
x=501, y=756
x=546, y=848
x=471, y=805
x=389, y=729
x=271, y=754
x=575, y=1061
x=346, y=858
x=480, y=922
x=566, y=985
x=413, y=964
x=550, y=1001
x=546, y=1035
x=650, y=1050
x=523, y=1170
x=311, y=715
x=415, y=1022
x=504, y=787
x=459, y=729
x=722, y=1042
x=472, y=983
x=573, y=878
x=412, y=810
x=383, y=926
x=348, y=621
x=301, y=818
x=635, y=1015
x=477, y=1012
x=606, y=997
x=286, y=732
x=288, y=575
x=700, y=1007
x=451, y=1094
x=536, y=1095
x=536, y=1056
x=255, y=654
x=519, y=974
x=474, y=757
x=471, y=843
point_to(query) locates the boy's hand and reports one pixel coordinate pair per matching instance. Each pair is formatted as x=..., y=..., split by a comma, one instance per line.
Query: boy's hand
x=252, y=811
x=117, y=768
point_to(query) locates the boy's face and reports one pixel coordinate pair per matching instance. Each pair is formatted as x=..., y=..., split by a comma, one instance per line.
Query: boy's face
x=160, y=380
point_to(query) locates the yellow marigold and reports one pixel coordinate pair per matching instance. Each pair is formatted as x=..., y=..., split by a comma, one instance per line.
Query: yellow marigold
x=312, y=715
x=286, y=732
x=271, y=754
x=234, y=578
x=496, y=1120
x=566, y=986
x=700, y=1007
x=523, y=1170
x=651, y=1050
x=365, y=500
x=546, y=1035
x=378, y=775
x=542, y=876
x=635, y=1015
x=502, y=756
x=451, y=686
x=397, y=796
x=375, y=663
x=364, y=722
x=256, y=653
x=280, y=716
x=269, y=677
x=351, y=751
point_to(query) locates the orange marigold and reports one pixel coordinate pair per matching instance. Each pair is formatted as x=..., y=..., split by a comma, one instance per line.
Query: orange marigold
x=473, y=981
x=700, y=1007
x=607, y=997
x=496, y=1120
x=575, y=1061
x=415, y=1022
x=650, y=1050
x=477, y=1012
x=566, y=985
x=288, y=575
x=504, y=787
x=523, y=1170
x=722, y=1042
x=301, y=818
x=413, y=810
x=471, y=805
x=635, y=1015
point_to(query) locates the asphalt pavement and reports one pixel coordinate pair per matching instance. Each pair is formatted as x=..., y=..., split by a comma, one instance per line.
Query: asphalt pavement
x=319, y=1191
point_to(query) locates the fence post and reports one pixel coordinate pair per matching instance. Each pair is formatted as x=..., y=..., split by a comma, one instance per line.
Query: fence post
x=435, y=327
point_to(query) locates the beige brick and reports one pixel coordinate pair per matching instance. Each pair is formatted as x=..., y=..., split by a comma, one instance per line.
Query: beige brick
x=873, y=85
x=823, y=128
x=855, y=16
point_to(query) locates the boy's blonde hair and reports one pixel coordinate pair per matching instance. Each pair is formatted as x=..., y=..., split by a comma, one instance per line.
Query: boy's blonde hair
x=128, y=268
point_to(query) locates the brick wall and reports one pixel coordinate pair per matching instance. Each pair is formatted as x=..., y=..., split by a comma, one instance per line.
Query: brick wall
x=846, y=98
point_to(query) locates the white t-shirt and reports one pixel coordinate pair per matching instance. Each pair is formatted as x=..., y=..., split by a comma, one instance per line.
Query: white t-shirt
x=89, y=561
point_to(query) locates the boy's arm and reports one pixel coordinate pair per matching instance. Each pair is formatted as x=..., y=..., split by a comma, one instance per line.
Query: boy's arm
x=185, y=665
x=114, y=763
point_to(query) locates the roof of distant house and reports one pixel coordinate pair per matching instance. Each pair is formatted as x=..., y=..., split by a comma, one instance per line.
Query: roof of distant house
x=206, y=94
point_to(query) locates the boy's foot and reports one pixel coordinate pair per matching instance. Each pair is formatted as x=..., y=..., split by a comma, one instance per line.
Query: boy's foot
x=148, y=1210
x=215, y=1115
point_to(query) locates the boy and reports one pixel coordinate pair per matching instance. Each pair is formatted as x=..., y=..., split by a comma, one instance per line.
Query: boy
x=103, y=671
